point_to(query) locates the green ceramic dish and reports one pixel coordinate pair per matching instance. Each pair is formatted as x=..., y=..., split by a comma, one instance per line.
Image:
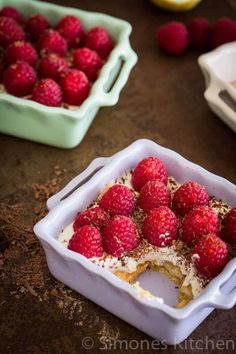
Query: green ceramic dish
x=62, y=127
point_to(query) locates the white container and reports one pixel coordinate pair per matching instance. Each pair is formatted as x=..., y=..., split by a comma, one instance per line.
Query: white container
x=159, y=320
x=219, y=70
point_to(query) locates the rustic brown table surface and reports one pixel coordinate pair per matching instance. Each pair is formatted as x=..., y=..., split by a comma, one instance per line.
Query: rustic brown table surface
x=163, y=101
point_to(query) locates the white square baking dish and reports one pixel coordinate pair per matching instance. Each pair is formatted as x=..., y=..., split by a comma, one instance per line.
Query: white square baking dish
x=219, y=70
x=157, y=319
x=62, y=127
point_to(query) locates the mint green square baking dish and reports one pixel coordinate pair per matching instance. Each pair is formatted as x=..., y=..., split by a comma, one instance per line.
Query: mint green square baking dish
x=60, y=127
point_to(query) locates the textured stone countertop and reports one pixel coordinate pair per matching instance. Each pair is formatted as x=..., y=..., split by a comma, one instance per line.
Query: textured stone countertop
x=163, y=101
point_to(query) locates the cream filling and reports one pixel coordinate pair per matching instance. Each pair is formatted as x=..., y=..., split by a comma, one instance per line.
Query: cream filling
x=157, y=255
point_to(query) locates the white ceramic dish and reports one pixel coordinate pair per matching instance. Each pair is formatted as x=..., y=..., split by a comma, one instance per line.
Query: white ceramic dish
x=120, y=298
x=218, y=67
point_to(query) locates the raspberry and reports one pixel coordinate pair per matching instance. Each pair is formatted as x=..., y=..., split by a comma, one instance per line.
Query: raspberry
x=19, y=79
x=9, y=11
x=200, y=33
x=87, y=241
x=199, y=222
x=173, y=38
x=98, y=39
x=147, y=170
x=72, y=30
x=75, y=87
x=47, y=92
x=223, y=31
x=52, y=66
x=160, y=227
x=120, y=236
x=10, y=31
x=88, y=61
x=52, y=42
x=229, y=227
x=35, y=26
x=118, y=200
x=21, y=50
x=93, y=216
x=190, y=195
x=210, y=255
x=153, y=195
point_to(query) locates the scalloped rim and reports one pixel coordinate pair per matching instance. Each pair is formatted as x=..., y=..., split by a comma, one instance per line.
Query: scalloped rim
x=206, y=299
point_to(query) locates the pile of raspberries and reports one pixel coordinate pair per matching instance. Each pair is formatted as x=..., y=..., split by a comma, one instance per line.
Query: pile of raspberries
x=174, y=38
x=110, y=225
x=50, y=65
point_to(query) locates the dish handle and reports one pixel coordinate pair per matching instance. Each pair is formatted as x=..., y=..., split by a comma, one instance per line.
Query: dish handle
x=129, y=59
x=77, y=182
x=222, y=299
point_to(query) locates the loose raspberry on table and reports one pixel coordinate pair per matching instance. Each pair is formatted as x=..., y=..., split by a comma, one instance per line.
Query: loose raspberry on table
x=52, y=66
x=118, y=200
x=10, y=31
x=150, y=168
x=199, y=222
x=223, y=31
x=9, y=11
x=87, y=241
x=35, y=26
x=199, y=33
x=47, y=92
x=188, y=196
x=173, y=38
x=99, y=40
x=92, y=216
x=21, y=50
x=120, y=236
x=72, y=30
x=210, y=255
x=75, y=87
x=160, y=227
x=52, y=42
x=153, y=195
x=88, y=61
x=19, y=78
x=229, y=227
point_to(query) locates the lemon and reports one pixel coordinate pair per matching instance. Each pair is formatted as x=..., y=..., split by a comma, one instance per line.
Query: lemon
x=176, y=5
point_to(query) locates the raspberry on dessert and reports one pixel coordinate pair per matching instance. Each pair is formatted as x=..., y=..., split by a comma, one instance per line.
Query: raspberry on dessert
x=150, y=168
x=188, y=196
x=19, y=78
x=199, y=33
x=210, y=255
x=21, y=50
x=72, y=30
x=75, y=87
x=223, y=31
x=87, y=241
x=173, y=38
x=52, y=66
x=199, y=222
x=9, y=11
x=120, y=236
x=99, y=40
x=47, y=92
x=52, y=42
x=153, y=195
x=118, y=200
x=10, y=31
x=88, y=61
x=93, y=216
x=160, y=227
x=229, y=227
x=35, y=26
